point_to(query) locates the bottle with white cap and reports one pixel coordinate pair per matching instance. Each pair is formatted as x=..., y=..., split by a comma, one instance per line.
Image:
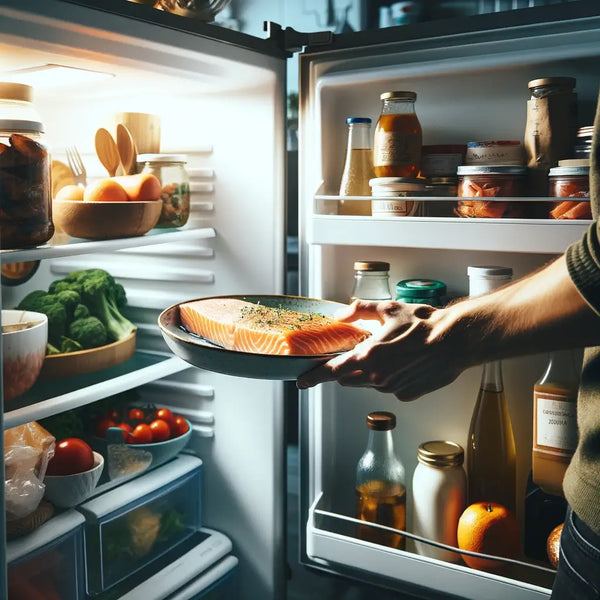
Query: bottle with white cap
x=491, y=453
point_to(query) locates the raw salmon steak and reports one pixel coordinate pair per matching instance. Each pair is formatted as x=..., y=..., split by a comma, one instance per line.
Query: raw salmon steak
x=239, y=325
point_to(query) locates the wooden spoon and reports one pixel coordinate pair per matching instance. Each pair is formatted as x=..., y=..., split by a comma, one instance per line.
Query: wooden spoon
x=107, y=152
x=126, y=147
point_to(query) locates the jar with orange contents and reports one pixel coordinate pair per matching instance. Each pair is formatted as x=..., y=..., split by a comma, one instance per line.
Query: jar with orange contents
x=570, y=182
x=398, y=137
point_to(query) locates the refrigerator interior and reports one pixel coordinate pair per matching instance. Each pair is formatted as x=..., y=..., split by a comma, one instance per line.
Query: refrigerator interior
x=471, y=84
x=224, y=107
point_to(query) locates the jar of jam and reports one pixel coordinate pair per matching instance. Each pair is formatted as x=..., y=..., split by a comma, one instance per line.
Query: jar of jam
x=175, y=195
x=398, y=137
x=25, y=190
x=571, y=182
x=479, y=181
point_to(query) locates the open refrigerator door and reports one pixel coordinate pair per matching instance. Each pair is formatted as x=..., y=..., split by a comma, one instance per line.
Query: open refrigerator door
x=471, y=79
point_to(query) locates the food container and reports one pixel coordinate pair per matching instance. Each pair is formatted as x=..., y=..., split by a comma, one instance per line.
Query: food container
x=489, y=182
x=49, y=562
x=421, y=291
x=133, y=525
x=393, y=189
x=495, y=152
x=442, y=160
x=25, y=190
x=570, y=182
x=175, y=194
x=583, y=144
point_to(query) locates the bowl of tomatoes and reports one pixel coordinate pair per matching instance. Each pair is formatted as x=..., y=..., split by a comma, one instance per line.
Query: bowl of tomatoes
x=72, y=473
x=140, y=438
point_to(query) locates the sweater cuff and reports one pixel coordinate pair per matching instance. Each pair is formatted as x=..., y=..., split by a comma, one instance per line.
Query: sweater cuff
x=583, y=263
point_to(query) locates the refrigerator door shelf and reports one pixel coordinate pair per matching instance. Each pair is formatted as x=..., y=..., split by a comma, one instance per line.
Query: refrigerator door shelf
x=327, y=545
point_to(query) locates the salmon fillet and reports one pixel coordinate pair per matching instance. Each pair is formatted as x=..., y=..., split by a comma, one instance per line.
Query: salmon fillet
x=240, y=325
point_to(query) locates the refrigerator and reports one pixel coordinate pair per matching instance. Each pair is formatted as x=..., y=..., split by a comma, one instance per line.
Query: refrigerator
x=221, y=98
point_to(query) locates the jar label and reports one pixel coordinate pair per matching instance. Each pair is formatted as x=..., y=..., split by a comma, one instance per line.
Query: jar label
x=394, y=149
x=555, y=424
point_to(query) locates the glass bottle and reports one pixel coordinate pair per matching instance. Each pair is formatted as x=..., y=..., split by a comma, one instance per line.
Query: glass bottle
x=554, y=422
x=491, y=452
x=398, y=137
x=175, y=183
x=371, y=281
x=380, y=484
x=439, y=491
x=358, y=168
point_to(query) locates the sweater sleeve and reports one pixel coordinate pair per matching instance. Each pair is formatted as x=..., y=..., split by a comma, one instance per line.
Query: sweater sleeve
x=583, y=257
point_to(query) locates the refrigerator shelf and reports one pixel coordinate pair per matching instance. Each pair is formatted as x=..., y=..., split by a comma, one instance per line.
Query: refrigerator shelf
x=48, y=398
x=330, y=540
x=61, y=245
x=500, y=235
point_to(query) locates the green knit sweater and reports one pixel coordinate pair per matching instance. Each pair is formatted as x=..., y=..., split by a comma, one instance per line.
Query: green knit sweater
x=582, y=480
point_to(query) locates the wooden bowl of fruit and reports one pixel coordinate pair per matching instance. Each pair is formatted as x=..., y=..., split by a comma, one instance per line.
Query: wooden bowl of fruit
x=140, y=439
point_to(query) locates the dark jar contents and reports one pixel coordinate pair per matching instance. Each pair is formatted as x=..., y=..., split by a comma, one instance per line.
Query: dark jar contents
x=570, y=182
x=398, y=137
x=25, y=190
x=491, y=182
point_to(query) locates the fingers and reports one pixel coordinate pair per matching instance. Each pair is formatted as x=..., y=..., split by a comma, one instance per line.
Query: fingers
x=361, y=309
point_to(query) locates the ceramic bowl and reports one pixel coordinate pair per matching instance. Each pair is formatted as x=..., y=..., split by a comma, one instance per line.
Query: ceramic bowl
x=66, y=491
x=105, y=220
x=23, y=350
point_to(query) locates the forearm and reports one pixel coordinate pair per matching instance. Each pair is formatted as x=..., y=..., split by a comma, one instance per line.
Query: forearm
x=518, y=320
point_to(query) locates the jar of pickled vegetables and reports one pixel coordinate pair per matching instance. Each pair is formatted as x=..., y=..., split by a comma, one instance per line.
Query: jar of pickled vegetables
x=570, y=182
x=175, y=182
x=501, y=181
x=25, y=190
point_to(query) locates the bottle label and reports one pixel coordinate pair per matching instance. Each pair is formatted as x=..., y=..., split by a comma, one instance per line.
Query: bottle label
x=393, y=148
x=555, y=424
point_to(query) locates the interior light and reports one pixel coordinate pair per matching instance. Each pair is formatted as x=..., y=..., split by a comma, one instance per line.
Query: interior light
x=48, y=76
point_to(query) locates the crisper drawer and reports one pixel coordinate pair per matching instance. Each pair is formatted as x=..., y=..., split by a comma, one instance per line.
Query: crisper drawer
x=133, y=525
x=48, y=563
x=330, y=540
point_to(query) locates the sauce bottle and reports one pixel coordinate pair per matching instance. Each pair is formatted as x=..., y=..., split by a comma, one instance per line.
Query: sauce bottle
x=491, y=452
x=398, y=137
x=554, y=422
x=380, y=484
x=358, y=168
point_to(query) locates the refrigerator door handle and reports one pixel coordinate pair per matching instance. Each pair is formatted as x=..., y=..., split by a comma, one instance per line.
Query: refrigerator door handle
x=291, y=41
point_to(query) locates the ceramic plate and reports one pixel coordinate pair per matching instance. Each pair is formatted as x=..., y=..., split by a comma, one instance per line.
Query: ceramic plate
x=201, y=353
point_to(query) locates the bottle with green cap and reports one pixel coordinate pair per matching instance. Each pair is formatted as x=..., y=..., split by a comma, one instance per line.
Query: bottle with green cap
x=421, y=291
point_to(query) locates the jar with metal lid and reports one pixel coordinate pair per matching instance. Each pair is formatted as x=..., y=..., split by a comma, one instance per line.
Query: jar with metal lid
x=479, y=181
x=175, y=195
x=421, y=291
x=583, y=144
x=551, y=86
x=571, y=182
x=371, y=281
x=398, y=136
x=25, y=189
x=439, y=491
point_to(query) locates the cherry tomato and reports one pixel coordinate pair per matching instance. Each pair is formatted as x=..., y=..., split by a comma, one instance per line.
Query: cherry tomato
x=126, y=428
x=160, y=430
x=113, y=415
x=141, y=434
x=136, y=414
x=165, y=414
x=101, y=425
x=71, y=455
x=179, y=427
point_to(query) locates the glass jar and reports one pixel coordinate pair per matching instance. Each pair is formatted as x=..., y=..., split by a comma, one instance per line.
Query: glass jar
x=421, y=291
x=371, y=281
x=398, y=137
x=25, y=189
x=478, y=181
x=175, y=182
x=583, y=144
x=439, y=490
x=570, y=182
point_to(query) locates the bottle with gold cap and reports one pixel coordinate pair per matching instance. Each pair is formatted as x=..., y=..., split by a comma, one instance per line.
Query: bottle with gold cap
x=371, y=280
x=380, y=484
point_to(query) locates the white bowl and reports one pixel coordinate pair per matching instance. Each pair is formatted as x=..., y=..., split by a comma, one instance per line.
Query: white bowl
x=66, y=491
x=23, y=351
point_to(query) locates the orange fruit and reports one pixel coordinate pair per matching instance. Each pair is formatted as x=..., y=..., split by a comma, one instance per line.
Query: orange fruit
x=553, y=545
x=105, y=190
x=488, y=528
x=70, y=192
x=141, y=187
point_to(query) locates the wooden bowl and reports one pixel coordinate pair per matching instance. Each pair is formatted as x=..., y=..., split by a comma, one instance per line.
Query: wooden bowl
x=105, y=220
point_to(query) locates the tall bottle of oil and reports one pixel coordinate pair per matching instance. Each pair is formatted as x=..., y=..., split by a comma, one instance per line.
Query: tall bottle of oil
x=491, y=453
x=380, y=484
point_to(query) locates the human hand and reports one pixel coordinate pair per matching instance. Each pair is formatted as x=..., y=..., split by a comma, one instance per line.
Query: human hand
x=410, y=355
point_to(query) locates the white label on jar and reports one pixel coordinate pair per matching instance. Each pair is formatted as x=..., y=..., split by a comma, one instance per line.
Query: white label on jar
x=392, y=148
x=393, y=208
x=556, y=424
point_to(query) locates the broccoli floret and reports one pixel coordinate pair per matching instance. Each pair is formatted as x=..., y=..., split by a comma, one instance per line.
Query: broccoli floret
x=89, y=332
x=70, y=299
x=81, y=311
x=70, y=345
x=38, y=301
